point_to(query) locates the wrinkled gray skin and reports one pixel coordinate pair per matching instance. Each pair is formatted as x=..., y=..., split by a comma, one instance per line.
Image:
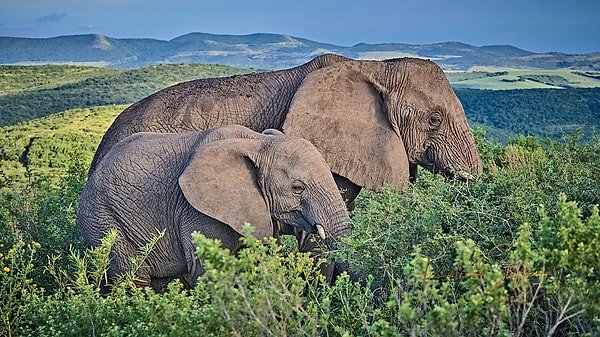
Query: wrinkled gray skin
x=373, y=121
x=211, y=182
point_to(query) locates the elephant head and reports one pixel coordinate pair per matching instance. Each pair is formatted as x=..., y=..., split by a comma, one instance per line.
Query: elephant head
x=279, y=178
x=257, y=180
x=375, y=121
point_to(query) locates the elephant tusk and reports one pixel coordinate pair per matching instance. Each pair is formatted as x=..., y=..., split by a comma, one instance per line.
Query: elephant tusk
x=465, y=175
x=321, y=232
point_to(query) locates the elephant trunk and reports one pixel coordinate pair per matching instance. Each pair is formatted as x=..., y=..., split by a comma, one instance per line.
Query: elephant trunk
x=332, y=241
x=473, y=164
x=469, y=160
x=341, y=265
x=329, y=230
x=457, y=159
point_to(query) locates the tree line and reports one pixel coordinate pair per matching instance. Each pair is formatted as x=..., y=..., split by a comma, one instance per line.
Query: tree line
x=549, y=113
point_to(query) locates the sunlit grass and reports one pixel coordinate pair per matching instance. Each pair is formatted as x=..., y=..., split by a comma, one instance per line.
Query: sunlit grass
x=519, y=79
x=47, y=141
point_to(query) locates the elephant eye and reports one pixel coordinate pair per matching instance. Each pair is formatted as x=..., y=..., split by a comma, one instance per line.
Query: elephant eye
x=298, y=188
x=435, y=119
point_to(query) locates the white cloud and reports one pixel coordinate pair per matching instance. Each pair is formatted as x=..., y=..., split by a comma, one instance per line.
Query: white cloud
x=52, y=17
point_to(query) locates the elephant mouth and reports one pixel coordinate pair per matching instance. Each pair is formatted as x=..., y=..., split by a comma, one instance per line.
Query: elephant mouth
x=446, y=171
x=461, y=175
x=297, y=219
x=316, y=229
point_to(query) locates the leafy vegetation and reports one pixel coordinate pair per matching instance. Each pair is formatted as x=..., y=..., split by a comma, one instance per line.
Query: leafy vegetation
x=542, y=112
x=43, y=148
x=29, y=92
x=513, y=253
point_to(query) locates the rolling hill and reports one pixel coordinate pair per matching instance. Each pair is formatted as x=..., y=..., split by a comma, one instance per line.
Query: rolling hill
x=28, y=92
x=266, y=51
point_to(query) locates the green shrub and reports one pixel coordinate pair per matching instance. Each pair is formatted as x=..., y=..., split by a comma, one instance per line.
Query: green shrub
x=261, y=292
x=46, y=215
x=513, y=253
x=79, y=308
x=16, y=284
x=568, y=245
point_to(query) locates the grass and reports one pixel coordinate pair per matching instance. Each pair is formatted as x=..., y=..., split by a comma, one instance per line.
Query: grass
x=522, y=79
x=41, y=148
x=36, y=91
x=22, y=79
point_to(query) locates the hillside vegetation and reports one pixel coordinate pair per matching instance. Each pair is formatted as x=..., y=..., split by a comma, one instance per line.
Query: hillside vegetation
x=541, y=112
x=42, y=149
x=28, y=92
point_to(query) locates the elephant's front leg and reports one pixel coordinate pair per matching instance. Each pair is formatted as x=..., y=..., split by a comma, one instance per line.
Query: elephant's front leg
x=210, y=228
x=348, y=189
x=194, y=264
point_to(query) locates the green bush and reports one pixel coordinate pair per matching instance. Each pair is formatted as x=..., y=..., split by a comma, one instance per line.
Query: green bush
x=46, y=215
x=513, y=253
x=261, y=292
x=16, y=285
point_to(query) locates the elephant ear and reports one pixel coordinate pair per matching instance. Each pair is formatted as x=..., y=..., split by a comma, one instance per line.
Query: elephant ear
x=220, y=181
x=342, y=112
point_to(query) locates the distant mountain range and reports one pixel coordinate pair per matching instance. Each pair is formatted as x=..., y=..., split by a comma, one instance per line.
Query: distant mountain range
x=267, y=51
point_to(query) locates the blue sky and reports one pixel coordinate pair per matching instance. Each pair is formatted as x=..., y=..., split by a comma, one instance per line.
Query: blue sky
x=535, y=25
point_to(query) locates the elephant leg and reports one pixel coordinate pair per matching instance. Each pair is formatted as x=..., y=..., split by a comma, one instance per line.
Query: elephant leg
x=210, y=228
x=413, y=172
x=194, y=265
x=348, y=189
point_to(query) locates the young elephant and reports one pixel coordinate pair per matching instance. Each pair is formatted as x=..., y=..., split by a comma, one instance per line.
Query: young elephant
x=212, y=182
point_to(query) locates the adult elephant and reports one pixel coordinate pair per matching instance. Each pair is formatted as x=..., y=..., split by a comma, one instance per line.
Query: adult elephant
x=212, y=182
x=373, y=121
